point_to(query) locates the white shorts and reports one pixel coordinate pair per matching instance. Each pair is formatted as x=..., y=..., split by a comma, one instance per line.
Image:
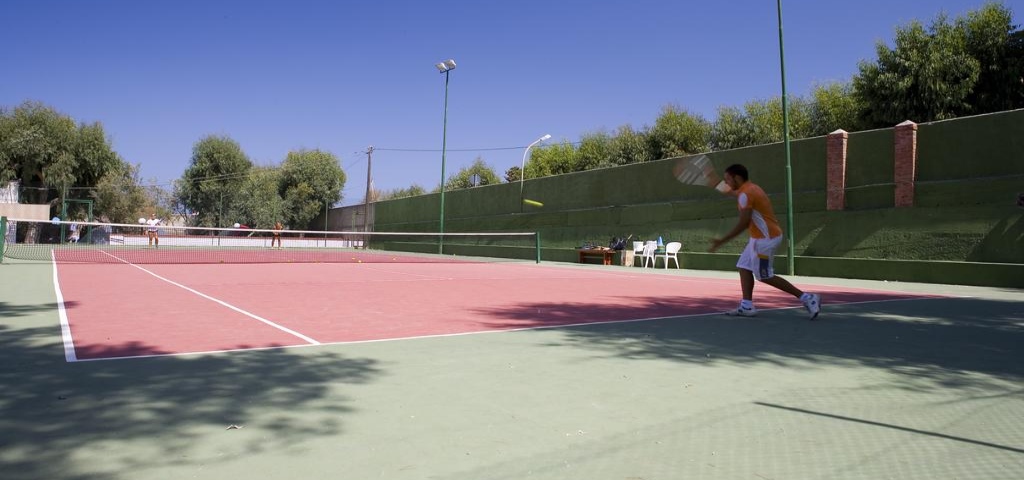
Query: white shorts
x=759, y=257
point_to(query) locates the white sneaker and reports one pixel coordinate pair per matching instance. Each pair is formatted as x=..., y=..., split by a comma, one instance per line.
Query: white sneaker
x=743, y=312
x=813, y=305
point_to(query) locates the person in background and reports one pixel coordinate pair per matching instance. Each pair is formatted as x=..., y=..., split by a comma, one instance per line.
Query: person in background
x=73, y=232
x=152, y=230
x=276, y=235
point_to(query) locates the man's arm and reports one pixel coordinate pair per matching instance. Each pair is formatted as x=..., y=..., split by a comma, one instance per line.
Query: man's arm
x=741, y=226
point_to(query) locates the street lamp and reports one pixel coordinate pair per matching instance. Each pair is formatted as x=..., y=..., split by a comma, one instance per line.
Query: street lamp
x=444, y=67
x=522, y=169
x=790, y=249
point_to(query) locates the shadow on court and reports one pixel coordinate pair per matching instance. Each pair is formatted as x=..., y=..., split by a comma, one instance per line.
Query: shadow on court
x=933, y=343
x=899, y=428
x=159, y=406
x=7, y=310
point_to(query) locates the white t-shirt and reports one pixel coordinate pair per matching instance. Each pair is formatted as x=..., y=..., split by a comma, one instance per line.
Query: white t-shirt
x=153, y=222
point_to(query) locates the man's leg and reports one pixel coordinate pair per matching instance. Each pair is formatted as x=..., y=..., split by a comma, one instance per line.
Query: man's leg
x=784, y=285
x=811, y=301
x=766, y=273
x=746, y=308
x=746, y=265
x=747, y=283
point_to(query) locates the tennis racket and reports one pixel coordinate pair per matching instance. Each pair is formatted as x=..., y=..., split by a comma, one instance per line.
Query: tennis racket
x=700, y=172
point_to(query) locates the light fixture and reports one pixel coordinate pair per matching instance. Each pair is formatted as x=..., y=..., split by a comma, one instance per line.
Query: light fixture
x=445, y=66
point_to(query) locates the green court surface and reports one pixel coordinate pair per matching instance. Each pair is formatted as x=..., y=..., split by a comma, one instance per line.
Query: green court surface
x=926, y=388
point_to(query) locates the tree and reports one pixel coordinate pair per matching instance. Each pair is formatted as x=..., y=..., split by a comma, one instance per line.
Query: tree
x=513, y=174
x=998, y=46
x=302, y=206
x=760, y=122
x=37, y=148
x=731, y=129
x=929, y=75
x=630, y=146
x=412, y=191
x=259, y=203
x=95, y=157
x=118, y=198
x=834, y=107
x=159, y=199
x=214, y=178
x=54, y=158
x=765, y=119
x=551, y=160
x=678, y=132
x=595, y=151
x=311, y=180
x=464, y=177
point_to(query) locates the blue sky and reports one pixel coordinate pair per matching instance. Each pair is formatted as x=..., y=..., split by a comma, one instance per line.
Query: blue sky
x=278, y=76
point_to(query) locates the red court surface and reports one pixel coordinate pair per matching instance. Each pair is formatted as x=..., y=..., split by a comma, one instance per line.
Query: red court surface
x=116, y=311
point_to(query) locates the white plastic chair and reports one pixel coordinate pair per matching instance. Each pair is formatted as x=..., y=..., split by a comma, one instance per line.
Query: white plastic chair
x=650, y=249
x=671, y=253
x=638, y=252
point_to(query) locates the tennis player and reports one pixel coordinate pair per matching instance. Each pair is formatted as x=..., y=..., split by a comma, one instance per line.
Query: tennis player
x=757, y=216
x=152, y=231
x=277, y=235
x=73, y=236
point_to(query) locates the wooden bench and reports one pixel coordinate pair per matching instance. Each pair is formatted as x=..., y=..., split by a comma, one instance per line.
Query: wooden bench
x=605, y=254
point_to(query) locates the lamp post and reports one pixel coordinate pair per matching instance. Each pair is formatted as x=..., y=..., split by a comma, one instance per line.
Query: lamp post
x=444, y=67
x=790, y=248
x=522, y=169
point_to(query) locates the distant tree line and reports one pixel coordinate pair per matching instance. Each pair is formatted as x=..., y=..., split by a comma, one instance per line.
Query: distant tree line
x=222, y=187
x=56, y=159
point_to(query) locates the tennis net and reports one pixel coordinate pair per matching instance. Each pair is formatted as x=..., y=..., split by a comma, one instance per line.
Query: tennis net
x=93, y=242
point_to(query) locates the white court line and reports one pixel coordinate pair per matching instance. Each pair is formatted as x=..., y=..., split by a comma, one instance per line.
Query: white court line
x=221, y=302
x=65, y=327
x=487, y=332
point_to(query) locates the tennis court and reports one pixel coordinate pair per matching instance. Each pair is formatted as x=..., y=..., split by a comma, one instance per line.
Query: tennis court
x=476, y=370
x=120, y=310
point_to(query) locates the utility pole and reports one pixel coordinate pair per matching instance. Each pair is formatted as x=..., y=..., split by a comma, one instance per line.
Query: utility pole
x=369, y=182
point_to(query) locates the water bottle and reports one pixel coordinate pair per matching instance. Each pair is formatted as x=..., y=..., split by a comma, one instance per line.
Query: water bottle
x=660, y=242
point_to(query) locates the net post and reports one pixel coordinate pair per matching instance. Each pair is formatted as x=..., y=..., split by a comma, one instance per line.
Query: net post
x=3, y=236
x=536, y=239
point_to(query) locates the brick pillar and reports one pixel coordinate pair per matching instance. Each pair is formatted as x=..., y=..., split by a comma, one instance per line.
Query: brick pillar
x=906, y=163
x=836, y=169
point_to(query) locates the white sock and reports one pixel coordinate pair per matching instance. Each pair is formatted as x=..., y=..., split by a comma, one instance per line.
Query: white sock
x=805, y=297
x=746, y=304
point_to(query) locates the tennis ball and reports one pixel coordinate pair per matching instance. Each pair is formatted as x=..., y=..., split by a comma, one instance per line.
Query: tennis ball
x=532, y=202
